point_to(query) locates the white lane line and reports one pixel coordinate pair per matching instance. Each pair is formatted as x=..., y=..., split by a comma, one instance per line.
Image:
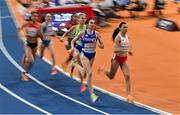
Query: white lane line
x=4, y=51
x=100, y=89
x=7, y=90
x=112, y=94
x=5, y=17
x=8, y=56
x=23, y=100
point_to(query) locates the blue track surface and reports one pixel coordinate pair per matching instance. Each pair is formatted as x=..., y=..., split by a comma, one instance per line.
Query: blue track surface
x=41, y=96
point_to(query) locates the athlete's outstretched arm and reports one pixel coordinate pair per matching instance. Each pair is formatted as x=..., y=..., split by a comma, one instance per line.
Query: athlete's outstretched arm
x=22, y=27
x=20, y=34
x=130, y=52
x=55, y=34
x=79, y=36
x=70, y=30
x=100, y=42
x=41, y=31
x=116, y=44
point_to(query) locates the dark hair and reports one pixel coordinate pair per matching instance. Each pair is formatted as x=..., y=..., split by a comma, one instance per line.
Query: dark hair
x=117, y=30
x=73, y=15
x=87, y=21
x=32, y=13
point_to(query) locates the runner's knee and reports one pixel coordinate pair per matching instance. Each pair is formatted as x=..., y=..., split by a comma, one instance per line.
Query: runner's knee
x=127, y=77
x=111, y=75
x=29, y=60
x=89, y=72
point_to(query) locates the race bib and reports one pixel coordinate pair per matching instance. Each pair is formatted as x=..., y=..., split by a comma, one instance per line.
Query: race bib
x=89, y=47
x=31, y=33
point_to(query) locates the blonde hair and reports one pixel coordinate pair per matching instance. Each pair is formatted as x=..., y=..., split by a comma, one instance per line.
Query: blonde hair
x=47, y=15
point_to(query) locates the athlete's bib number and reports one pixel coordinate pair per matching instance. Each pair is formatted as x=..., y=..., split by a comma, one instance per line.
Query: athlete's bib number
x=89, y=47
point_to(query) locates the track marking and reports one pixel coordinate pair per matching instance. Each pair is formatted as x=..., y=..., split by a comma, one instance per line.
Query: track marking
x=6, y=89
x=98, y=88
x=112, y=94
x=8, y=56
x=4, y=17
x=23, y=100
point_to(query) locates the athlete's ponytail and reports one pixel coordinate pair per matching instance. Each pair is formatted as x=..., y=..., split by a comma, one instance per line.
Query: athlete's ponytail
x=117, y=30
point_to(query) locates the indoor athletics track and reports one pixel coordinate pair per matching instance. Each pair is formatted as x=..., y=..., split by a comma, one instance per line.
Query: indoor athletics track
x=45, y=93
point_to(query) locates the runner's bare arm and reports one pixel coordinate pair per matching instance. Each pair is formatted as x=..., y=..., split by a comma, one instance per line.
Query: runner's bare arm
x=41, y=31
x=22, y=27
x=70, y=30
x=100, y=42
x=20, y=34
x=116, y=45
x=55, y=34
x=130, y=52
x=79, y=36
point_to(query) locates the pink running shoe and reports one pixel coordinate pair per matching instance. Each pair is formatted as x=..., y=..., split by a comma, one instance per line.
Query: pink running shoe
x=83, y=88
x=54, y=72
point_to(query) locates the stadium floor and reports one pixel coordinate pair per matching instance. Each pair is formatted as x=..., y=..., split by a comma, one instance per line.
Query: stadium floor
x=155, y=60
